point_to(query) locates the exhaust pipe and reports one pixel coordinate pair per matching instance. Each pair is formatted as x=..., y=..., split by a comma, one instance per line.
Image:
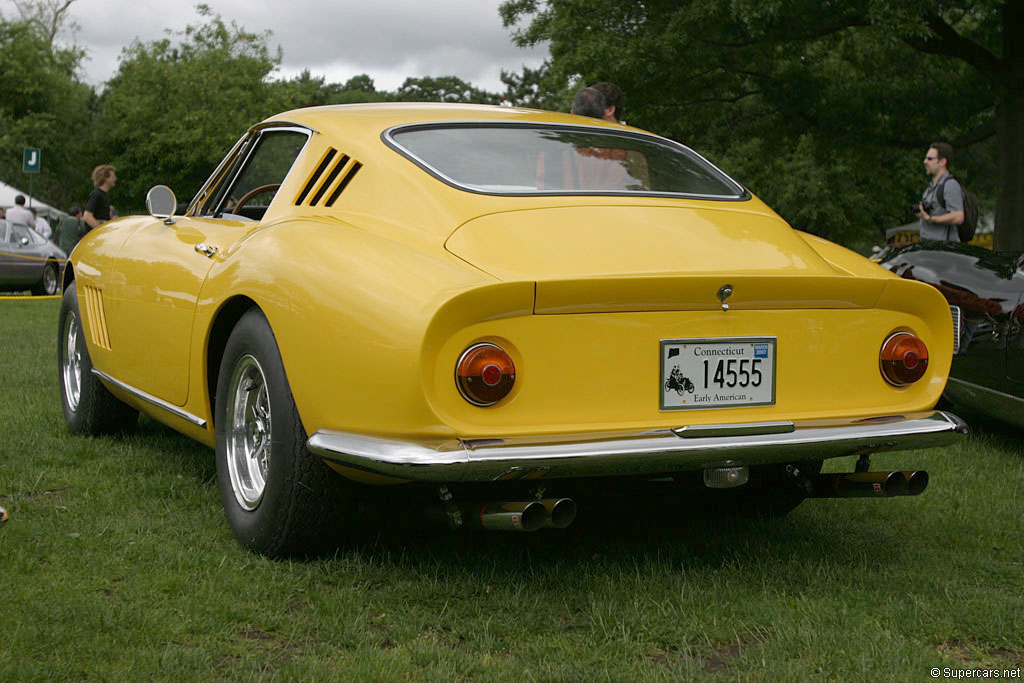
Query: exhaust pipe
x=561, y=512
x=552, y=513
x=917, y=482
x=863, y=485
x=514, y=516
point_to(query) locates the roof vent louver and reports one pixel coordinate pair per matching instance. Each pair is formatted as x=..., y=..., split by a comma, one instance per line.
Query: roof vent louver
x=322, y=183
x=344, y=182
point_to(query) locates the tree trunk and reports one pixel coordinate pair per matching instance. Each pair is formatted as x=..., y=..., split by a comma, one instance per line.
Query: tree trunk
x=1010, y=132
x=1010, y=203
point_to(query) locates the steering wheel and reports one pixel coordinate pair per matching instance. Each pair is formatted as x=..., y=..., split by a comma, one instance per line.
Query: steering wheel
x=252, y=193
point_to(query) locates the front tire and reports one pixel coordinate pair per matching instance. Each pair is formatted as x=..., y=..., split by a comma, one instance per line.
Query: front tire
x=89, y=408
x=48, y=283
x=278, y=497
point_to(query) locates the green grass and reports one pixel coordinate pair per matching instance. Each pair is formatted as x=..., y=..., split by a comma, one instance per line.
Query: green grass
x=117, y=564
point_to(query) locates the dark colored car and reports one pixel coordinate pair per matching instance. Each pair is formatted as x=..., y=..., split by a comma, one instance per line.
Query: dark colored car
x=28, y=260
x=985, y=291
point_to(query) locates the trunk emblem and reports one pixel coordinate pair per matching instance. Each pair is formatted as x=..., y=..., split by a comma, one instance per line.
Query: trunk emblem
x=724, y=292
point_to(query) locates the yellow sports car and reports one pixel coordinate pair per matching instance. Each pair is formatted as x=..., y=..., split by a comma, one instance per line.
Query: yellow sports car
x=492, y=309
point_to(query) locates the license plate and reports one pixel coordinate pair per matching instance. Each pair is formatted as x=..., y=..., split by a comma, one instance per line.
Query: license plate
x=717, y=373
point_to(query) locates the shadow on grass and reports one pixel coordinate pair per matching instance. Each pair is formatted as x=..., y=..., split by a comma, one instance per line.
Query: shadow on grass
x=658, y=524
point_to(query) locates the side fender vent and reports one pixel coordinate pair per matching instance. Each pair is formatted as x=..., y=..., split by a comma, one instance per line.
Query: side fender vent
x=97, y=318
x=955, y=312
x=325, y=177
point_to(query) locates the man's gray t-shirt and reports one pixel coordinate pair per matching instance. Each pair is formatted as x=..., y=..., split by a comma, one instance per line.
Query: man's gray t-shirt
x=954, y=198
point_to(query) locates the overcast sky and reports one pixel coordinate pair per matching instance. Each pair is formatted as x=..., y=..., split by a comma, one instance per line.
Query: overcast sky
x=388, y=39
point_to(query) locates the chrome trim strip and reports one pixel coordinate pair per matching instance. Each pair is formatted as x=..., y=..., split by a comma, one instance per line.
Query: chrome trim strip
x=152, y=400
x=630, y=453
x=696, y=431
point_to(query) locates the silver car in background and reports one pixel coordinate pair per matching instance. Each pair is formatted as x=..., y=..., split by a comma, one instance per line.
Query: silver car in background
x=28, y=260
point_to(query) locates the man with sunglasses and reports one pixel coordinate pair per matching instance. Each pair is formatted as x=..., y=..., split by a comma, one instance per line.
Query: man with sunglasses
x=942, y=203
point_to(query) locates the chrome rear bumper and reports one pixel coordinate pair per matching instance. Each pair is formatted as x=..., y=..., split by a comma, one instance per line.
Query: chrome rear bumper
x=623, y=454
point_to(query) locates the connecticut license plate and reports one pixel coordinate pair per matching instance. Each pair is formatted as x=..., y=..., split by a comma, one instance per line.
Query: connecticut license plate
x=717, y=373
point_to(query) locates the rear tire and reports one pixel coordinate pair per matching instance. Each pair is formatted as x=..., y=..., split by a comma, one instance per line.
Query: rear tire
x=89, y=408
x=279, y=498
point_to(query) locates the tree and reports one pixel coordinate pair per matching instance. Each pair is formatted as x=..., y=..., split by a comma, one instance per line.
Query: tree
x=443, y=89
x=46, y=17
x=42, y=106
x=537, y=89
x=175, y=107
x=844, y=96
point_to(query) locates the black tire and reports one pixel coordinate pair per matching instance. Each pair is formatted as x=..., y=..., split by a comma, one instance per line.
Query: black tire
x=49, y=283
x=279, y=498
x=89, y=408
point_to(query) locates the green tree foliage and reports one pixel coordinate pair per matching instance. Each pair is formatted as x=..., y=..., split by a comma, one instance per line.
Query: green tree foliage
x=443, y=89
x=537, y=89
x=42, y=105
x=823, y=108
x=175, y=107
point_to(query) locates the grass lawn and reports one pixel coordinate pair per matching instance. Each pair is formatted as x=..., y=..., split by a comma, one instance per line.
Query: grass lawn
x=117, y=564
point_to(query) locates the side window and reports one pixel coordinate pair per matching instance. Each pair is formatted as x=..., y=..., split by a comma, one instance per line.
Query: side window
x=250, y=184
x=20, y=232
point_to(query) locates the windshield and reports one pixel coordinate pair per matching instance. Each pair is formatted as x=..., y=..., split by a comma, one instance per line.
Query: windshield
x=544, y=159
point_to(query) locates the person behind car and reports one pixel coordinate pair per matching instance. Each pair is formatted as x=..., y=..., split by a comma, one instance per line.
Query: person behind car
x=19, y=214
x=97, y=207
x=589, y=102
x=940, y=218
x=40, y=224
x=72, y=229
x=613, y=101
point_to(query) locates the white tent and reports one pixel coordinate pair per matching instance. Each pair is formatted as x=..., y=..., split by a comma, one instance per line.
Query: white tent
x=8, y=193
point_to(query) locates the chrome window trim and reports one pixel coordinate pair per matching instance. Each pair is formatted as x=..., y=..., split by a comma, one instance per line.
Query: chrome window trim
x=250, y=140
x=387, y=137
x=149, y=398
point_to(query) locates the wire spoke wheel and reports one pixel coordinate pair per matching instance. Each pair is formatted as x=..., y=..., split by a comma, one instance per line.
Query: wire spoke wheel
x=71, y=368
x=249, y=430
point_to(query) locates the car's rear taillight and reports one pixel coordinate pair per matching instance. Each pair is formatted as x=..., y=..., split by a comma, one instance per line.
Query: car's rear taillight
x=903, y=359
x=485, y=374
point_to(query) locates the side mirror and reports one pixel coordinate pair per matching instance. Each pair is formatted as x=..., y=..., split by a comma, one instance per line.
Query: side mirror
x=161, y=203
x=24, y=241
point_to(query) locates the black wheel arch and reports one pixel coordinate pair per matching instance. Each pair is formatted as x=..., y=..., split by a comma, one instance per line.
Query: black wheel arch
x=224, y=322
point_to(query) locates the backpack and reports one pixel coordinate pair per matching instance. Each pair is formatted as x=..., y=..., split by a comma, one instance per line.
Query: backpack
x=965, y=231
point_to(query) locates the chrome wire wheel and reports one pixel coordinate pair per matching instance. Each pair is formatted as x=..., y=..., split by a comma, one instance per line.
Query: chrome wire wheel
x=71, y=368
x=248, y=432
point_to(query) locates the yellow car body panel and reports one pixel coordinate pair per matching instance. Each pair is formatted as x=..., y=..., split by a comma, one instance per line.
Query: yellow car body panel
x=373, y=300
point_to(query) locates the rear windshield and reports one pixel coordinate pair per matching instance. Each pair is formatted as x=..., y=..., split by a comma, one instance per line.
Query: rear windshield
x=530, y=159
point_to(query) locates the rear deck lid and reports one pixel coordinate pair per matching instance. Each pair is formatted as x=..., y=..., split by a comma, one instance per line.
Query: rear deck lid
x=606, y=258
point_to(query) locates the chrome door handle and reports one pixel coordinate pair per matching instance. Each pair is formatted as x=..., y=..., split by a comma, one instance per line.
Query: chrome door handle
x=207, y=250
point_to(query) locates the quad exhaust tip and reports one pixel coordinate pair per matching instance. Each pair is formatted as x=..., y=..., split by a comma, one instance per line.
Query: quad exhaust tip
x=869, y=484
x=531, y=515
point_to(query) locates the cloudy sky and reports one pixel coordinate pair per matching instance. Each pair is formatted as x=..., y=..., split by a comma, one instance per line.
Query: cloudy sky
x=387, y=39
